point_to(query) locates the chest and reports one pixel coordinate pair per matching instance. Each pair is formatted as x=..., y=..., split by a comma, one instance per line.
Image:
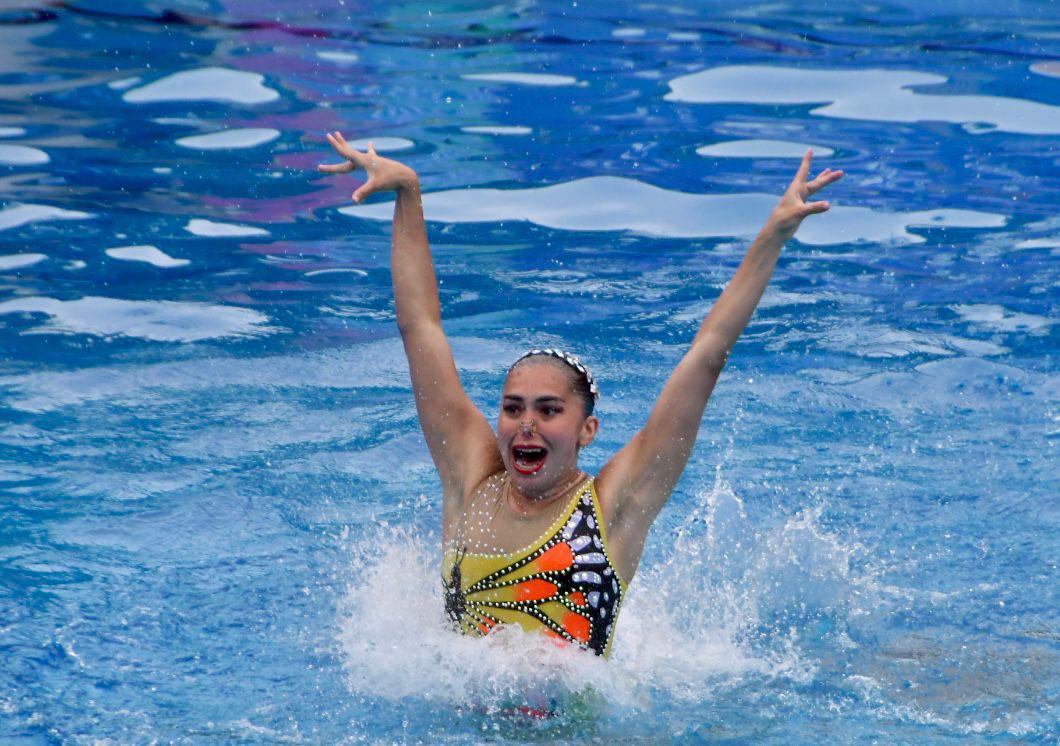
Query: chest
x=488, y=525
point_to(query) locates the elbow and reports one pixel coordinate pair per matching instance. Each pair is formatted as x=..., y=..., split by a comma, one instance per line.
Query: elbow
x=406, y=327
x=412, y=328
x=714, y=365
x=711, y=354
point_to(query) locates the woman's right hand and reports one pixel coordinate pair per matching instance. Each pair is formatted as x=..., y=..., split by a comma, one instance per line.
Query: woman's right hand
x=384, y=175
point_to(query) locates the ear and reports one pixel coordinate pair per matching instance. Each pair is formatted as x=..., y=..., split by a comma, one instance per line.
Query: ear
x=590, y=427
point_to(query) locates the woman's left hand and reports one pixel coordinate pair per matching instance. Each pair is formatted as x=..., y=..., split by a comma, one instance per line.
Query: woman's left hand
x=384, y=174
x=793, y=207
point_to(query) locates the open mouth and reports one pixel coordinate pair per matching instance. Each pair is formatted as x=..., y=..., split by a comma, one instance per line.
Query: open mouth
x=528, y=459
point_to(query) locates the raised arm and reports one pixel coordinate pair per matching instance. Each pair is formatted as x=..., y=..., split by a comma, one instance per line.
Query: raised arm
x=636, y=483
x=460, y=439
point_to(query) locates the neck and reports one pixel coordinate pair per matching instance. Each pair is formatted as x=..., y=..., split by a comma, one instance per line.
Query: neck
x=529, y=506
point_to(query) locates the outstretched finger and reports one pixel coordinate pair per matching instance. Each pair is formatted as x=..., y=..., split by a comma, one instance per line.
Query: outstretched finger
x=804, y=168
x=335, y=144
x=823, y=179
x=813, y=208
x=364, y=190
x=336, y=168
x=343, y=148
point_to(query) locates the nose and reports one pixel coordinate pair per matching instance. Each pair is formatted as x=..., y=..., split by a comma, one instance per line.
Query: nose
x=528, y=428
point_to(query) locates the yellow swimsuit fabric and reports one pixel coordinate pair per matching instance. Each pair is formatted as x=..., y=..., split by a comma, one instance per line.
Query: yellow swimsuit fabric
x=563, y=584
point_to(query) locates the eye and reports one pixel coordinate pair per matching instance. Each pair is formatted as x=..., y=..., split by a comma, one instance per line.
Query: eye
x=511, y=408
x=550, y=410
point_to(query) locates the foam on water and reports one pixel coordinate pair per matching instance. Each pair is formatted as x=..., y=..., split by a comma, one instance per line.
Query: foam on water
x=708, y=616
x=610, y=203
x=206, y=84
x=872, y=95
x=230, y=139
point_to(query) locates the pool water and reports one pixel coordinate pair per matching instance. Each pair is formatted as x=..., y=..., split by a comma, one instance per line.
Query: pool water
x=219, y=521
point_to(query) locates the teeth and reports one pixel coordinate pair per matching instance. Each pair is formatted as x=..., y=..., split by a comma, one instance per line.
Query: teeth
x=532, y=453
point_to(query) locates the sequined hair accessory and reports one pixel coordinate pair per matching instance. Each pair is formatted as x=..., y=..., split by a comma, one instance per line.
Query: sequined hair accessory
x=570, y=360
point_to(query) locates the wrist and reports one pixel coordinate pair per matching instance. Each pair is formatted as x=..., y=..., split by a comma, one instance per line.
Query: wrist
x=780, y=227
x=409, y=182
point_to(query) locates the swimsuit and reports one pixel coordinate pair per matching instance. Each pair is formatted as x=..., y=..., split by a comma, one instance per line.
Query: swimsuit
x=563, y=583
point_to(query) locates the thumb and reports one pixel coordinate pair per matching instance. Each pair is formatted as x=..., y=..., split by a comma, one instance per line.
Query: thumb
x=363, y=191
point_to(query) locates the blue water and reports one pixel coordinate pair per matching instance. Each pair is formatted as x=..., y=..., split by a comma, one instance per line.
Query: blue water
x=219, y=522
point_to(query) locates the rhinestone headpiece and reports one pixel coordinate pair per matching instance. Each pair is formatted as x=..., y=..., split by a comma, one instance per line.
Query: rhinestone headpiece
x=572, y=361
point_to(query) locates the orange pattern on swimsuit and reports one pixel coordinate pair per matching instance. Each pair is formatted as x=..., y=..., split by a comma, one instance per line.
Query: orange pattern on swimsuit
x=564, y=583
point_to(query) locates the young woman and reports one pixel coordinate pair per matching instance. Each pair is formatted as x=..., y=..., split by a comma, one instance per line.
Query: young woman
x=528, y=537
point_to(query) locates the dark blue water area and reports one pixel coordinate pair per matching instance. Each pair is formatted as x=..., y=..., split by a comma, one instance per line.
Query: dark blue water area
x=219, y=521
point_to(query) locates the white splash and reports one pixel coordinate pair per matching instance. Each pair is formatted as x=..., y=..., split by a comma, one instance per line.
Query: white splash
x=629, y=32
x=534, y=79
x=12, y=131
x=206, y=84
x=611, y=203
x=209, y=228
x=18, y=261
x=496, y=129
x=761, y=149
x=160, y=321
x=22, y=155
x=682, y=632
x=230, y=139
x=18, y=215
x=870, y=95
x=150, y=254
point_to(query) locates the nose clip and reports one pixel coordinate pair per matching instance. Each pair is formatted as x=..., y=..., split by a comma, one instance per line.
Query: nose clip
x=529, y=428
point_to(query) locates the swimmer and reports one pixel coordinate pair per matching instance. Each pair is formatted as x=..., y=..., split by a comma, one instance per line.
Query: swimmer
x=528, y=537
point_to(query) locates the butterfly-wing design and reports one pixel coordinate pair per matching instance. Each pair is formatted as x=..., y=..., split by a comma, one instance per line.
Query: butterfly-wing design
x=564, y=584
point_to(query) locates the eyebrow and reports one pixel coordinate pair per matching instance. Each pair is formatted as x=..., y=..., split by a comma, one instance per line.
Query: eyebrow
x=538, y=400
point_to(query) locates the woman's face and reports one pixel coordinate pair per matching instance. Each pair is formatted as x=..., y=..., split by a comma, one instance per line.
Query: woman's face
x=542, y=425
